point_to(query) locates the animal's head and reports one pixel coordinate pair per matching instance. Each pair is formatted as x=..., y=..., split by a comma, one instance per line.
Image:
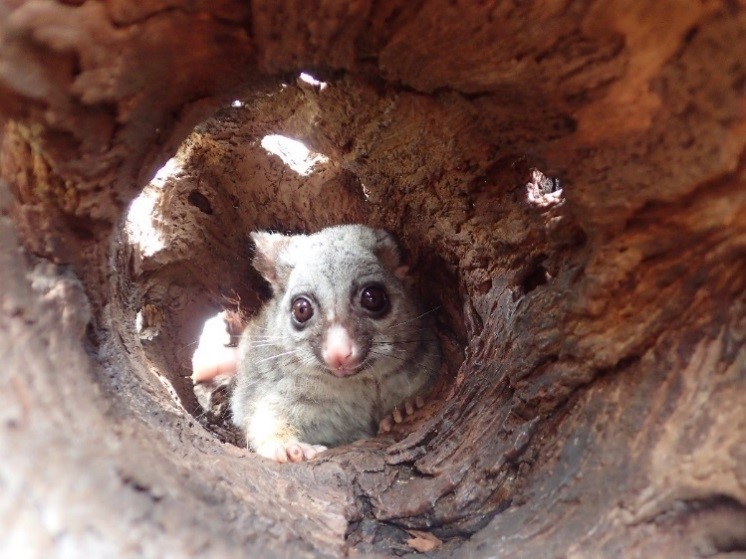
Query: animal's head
x=339, y=299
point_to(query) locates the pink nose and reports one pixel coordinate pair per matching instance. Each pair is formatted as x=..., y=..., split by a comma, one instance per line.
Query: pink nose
x=339, y=350
x=338, y=357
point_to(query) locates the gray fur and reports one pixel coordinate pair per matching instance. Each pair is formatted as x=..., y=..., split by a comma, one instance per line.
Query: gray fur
x=284, y=392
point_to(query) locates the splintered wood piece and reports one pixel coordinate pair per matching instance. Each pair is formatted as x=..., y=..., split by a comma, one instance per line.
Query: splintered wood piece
x=423, y=541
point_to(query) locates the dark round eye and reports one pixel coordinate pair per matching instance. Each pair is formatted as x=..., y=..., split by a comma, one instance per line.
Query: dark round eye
x=302, y=309
x=374, y=299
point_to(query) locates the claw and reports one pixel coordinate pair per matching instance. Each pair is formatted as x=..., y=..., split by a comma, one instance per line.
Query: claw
x=385, y=425
x=408, y=406
x=396, y=414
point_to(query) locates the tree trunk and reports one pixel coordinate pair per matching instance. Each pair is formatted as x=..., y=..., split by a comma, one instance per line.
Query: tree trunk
x=567, y=180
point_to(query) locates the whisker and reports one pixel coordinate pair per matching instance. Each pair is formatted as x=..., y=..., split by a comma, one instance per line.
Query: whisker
x=276, y=356
x=419, y=353
x=389, y=355
x=417, y=317
x=264, y=338
x=407, y=331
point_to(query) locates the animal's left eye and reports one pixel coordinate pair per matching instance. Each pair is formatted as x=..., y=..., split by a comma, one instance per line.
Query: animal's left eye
x=373, y=298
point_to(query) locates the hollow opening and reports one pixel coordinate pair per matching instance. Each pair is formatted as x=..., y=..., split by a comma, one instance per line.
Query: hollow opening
x=193, y=288
x=185, y=242
x=187, y=235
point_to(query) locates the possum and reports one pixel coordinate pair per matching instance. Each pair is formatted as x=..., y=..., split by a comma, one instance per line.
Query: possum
x=341, y=343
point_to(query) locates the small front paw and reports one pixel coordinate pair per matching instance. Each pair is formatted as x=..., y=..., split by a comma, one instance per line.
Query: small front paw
x=399, y=413
x=291, y=451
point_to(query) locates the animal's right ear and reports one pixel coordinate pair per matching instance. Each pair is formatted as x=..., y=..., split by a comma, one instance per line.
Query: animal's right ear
x=269, y=257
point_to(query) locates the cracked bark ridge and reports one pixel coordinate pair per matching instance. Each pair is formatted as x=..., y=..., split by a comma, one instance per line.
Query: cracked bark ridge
x=594, y=327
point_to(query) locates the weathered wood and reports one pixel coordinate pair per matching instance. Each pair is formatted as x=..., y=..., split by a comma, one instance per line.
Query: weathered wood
x=595, y=335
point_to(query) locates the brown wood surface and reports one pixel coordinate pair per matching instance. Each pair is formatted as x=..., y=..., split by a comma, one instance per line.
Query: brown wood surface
x=594, y=398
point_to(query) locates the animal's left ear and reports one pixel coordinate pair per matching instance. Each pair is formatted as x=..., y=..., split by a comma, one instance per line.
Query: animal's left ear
x=389, y=254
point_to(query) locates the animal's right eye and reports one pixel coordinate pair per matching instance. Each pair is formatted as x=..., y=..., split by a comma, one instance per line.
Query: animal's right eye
x=302, y=310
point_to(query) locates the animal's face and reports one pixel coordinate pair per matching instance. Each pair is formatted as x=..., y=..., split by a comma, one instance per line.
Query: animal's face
x=340, y=307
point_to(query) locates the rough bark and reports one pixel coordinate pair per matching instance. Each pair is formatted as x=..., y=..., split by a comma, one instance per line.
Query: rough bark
x=595, y=336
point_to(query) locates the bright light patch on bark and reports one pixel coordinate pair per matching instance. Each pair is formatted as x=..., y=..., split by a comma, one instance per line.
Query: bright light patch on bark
x=141, y=227
x=293, y=153
x=171, y=168
x=543, y=190
x=309, y=79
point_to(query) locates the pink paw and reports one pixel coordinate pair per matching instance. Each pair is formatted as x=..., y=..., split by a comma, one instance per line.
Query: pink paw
x=292, y=451
x=400, y=412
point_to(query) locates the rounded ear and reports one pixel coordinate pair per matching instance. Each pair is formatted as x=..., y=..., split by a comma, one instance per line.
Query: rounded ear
x=387, y=251
x=268, y=259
